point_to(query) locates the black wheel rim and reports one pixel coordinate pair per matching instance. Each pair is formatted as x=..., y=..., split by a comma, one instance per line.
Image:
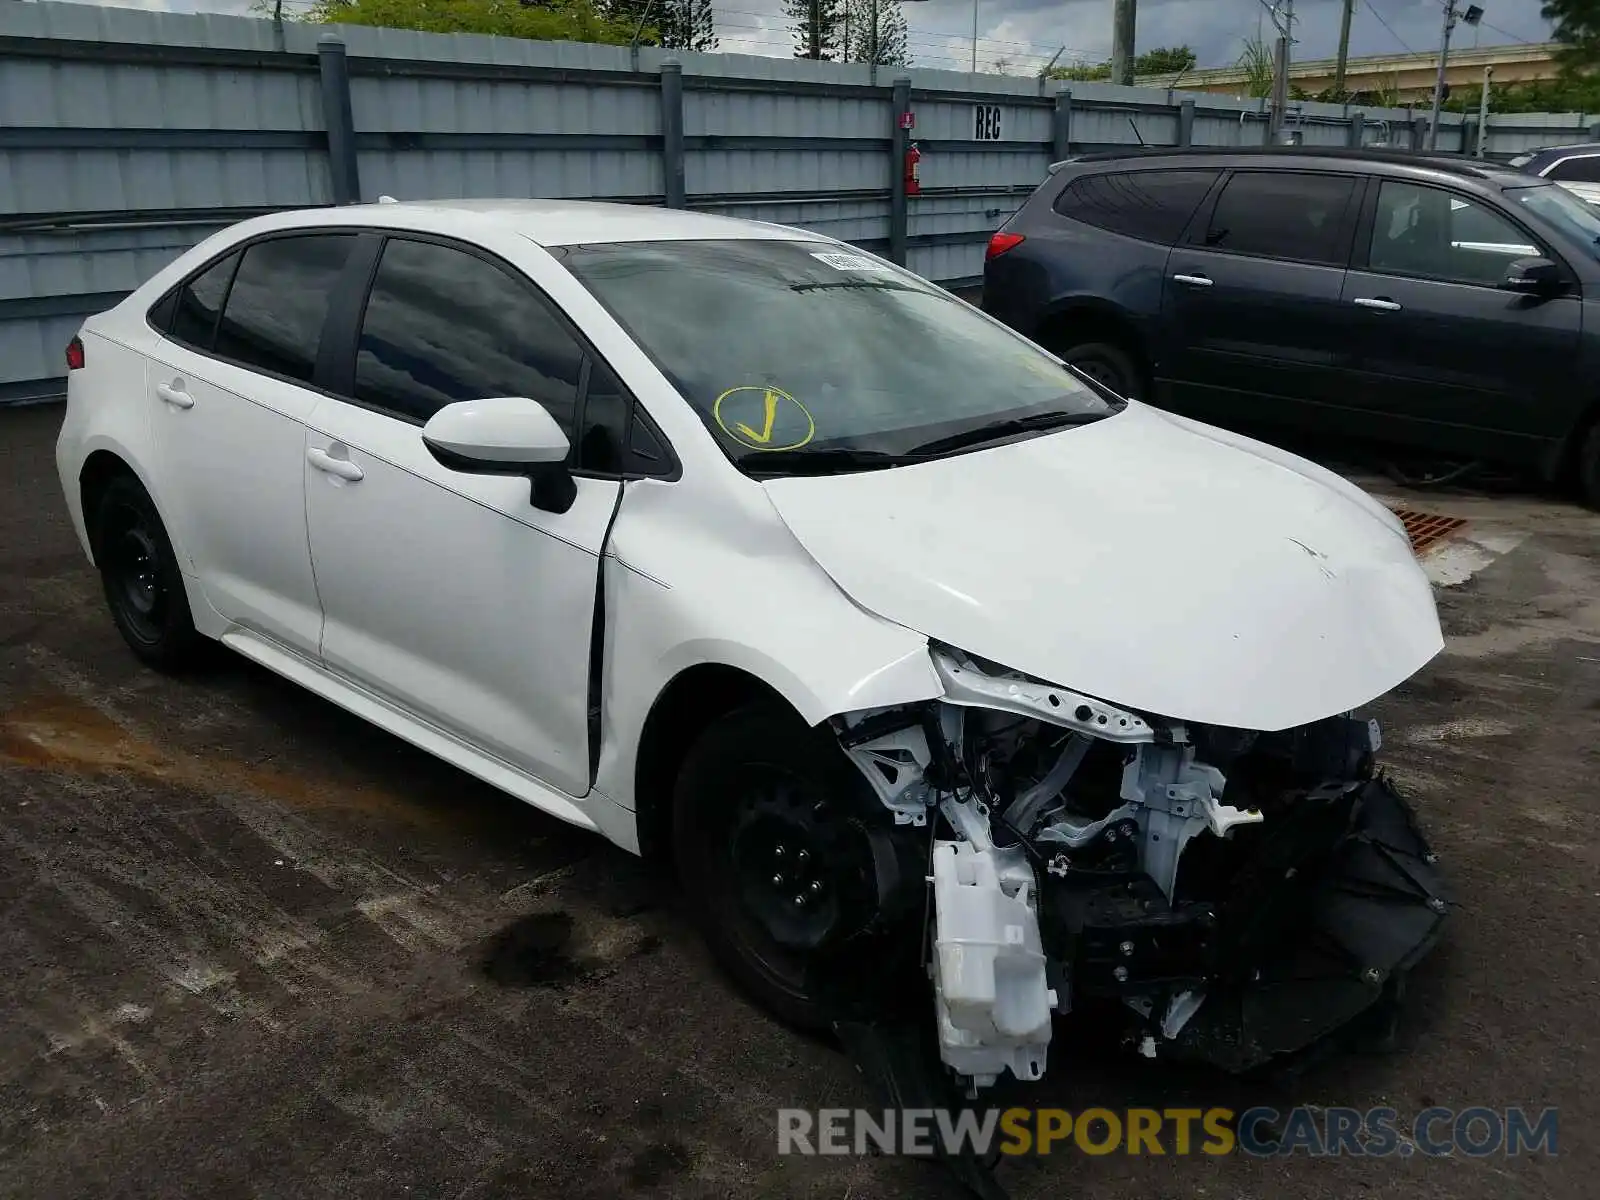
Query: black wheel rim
x=796, y=875
x=135, y=574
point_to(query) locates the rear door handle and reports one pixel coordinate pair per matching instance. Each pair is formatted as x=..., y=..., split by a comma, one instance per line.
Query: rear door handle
x=1192, y=280
x=342, y=467
x=1378, y=303
x=174, y=395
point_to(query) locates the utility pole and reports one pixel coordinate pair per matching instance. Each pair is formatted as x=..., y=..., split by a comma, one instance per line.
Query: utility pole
x=1438, y=87
x=1344, y=48
x=1283, y=21
x=1124, y=15
x=1483, y=111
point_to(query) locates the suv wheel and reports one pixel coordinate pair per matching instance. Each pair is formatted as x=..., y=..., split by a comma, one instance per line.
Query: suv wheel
x=1589, y=467
x=1106, y=364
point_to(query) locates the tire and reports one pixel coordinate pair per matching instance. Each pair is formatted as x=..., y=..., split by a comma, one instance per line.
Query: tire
x=1108, y=365
x=141, y=578
x=767, y=813
x=1589, y=467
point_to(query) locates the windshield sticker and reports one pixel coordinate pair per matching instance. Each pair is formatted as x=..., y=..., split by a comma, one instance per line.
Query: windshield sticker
x=853, y=262
x=763, y=418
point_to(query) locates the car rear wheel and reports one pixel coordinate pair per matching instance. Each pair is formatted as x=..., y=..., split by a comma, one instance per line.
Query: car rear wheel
x=794, y=880
x=139, y=572
x=1108, y=365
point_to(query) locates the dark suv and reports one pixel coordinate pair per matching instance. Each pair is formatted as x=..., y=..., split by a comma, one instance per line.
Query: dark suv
x=1442, y=303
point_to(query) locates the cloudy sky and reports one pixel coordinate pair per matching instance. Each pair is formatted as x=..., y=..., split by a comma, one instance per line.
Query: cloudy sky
x=1024, y=33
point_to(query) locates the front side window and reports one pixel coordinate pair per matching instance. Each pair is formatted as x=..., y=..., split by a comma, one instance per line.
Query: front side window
x=1152, y=205
x=197, y=303
x=1434, y=234
x=796, y=346
x=278, y=301
x=1282, y=214
x=443, y=325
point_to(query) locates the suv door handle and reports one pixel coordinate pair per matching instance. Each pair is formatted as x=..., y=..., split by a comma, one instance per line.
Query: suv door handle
x=342, y=467
x=1377, y=302
x=1192, y=280
x=174, y=395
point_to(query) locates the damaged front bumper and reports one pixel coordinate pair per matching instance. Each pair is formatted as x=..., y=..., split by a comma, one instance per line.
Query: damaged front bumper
x=1237, y=896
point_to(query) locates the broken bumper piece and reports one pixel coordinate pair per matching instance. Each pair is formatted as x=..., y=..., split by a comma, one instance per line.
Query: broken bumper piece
x=1325, y=918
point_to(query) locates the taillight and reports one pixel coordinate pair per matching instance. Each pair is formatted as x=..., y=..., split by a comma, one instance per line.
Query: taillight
x=75, y=354
x=1001, y=242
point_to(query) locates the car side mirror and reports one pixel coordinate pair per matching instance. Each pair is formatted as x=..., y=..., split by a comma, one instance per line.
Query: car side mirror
x=1533, y=277
x=505, y=435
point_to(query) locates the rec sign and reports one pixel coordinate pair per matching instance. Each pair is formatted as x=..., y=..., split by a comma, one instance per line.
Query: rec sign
x=986, y=122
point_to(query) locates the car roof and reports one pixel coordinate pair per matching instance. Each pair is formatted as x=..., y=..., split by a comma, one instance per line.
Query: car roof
x=1452, y=164
x=547, y=222
x=1545, y=155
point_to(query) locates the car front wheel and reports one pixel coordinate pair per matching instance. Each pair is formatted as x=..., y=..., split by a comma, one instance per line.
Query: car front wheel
x=802, y=886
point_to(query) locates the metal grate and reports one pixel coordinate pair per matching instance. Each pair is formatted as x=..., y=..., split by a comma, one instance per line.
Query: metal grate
x=1427, y=529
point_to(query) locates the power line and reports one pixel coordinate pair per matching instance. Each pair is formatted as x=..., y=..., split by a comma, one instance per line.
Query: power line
x=1503, y=33
x=1387, y=26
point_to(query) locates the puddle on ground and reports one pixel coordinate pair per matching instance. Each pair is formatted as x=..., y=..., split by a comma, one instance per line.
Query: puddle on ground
x=62, y=734
x=535, y=951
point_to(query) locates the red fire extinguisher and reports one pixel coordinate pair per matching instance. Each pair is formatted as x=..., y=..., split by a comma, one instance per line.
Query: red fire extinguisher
x=913, y=157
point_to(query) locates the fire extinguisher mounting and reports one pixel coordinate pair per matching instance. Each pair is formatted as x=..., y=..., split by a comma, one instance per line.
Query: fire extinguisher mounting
x=913, y=183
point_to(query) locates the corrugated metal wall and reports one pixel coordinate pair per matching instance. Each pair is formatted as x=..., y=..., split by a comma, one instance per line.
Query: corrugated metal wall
x=127, y=135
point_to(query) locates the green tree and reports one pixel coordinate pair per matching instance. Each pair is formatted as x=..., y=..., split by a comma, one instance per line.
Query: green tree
x=675, y=24
x=1256, y=61
x=817, y=26
x=1164, y=60
x=550, y=20
x=1576, y=26
x=875, y=32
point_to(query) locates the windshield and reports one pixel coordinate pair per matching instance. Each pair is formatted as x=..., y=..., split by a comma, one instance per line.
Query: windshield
x=834, y=360
x=1561, y=208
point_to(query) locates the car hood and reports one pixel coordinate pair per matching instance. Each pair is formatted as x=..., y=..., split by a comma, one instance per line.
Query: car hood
x=1147, y=560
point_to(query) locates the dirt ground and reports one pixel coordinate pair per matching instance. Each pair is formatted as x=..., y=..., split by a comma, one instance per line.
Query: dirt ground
x=253, y=947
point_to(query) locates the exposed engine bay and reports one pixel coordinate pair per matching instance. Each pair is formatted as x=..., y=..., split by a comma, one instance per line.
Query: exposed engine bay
x=1238, y=894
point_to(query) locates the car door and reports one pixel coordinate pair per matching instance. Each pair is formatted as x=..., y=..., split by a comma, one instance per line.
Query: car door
x=230, y=384
x=1250, y=298
x=449, y=593
x=1446, y=358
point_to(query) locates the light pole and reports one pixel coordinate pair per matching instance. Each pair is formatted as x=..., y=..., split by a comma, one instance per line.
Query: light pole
x=974, y=70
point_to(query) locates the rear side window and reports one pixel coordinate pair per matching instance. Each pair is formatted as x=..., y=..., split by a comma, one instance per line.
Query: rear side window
x=1152, y=205
x=1283, y=214
x=1583, y=169
x=279, y=299
x=443, y=325
x=195, y=304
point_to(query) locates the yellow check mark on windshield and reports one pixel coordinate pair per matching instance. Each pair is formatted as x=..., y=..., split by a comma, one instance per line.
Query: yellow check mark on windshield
x=765, y=436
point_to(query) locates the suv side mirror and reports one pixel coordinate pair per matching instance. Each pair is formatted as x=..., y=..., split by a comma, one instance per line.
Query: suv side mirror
x=505, y=435
x=1533, y=277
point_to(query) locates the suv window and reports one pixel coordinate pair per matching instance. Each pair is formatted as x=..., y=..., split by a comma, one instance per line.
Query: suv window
x=1585, y=168
x=443, y=325
x=1153, y=205
x=197, y=303
x=1282, y=214
x=279, y=298
x=1435, y=234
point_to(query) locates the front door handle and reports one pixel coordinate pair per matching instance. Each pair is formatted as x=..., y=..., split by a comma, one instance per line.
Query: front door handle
x=342, y=467
x=1377, y=302
x=1192, y=280
x=174, y=394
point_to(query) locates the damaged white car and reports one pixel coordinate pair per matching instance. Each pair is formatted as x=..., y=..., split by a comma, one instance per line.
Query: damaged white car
x=945, y=677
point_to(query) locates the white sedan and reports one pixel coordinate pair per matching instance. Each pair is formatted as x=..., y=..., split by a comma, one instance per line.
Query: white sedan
x=741, y=546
